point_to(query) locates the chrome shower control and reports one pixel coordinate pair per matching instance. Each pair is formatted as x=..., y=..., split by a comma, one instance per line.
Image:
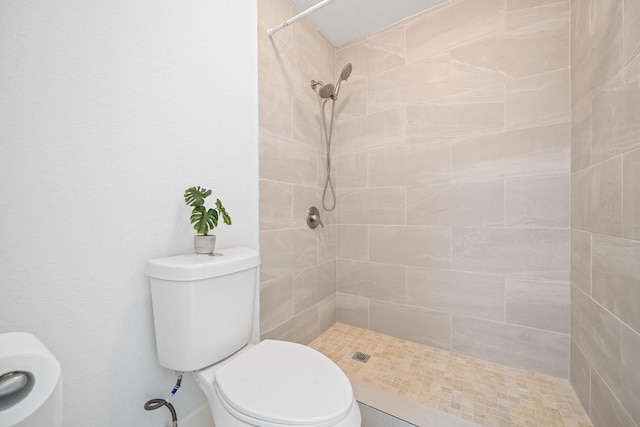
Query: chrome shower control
x=313, y=218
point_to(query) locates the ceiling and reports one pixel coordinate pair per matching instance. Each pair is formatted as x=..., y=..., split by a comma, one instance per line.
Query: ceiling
x=344, y=21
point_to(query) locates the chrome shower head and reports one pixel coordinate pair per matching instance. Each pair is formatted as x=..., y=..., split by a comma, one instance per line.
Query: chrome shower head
x=346, y=71
x=326, y=91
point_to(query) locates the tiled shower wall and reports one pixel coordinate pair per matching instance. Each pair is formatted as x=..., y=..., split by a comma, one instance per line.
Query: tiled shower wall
x=605, y=196
x=298, y=274
x=454, y=182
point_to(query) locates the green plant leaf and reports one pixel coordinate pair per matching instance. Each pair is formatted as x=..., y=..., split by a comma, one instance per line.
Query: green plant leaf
x=225, y=216
x=204, y=220
x=194, y=196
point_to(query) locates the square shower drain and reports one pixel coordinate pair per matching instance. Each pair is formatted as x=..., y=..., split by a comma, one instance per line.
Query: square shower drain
x=361, y=357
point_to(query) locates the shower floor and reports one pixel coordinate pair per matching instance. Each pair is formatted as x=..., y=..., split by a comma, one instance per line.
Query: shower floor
x=415, y=382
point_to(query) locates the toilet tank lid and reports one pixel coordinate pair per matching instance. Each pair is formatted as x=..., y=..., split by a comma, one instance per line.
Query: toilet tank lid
x=198, y=267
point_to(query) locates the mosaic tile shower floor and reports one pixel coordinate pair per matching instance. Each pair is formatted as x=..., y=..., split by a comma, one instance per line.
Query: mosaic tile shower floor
x=486, y=393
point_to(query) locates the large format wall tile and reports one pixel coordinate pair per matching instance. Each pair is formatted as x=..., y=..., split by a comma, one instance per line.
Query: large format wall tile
x=313, y=285
x=453, y=26
x=416, y=164
x=353, y=310
x=615, y=122
x=363, y=133
x=456, y=292
x=539, y=100
x=286, y=160
x=581, y=260
x=353, y=242
x=276, y=205
x=597, y=333
x=276, y=302
x=538, y=304
x=521, y=252
x=630, y=387
x=579, y=374
x=616, y=277
x=411, y=246
x=524, y=13
x=631, y=31
x=302, y=328
x=411, y=323
x=350, y=170
x=372, y=206
x=596, y=198
x=384, y=282
x=606, y=410
x=631, y=195
x=538, y=202
x=522, y=347
x=462, y=205
x=286, y=251
x=376, y=53
x=526, y=152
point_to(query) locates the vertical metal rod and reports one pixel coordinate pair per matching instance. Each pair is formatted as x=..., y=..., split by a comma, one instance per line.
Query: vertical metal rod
x=301, y=15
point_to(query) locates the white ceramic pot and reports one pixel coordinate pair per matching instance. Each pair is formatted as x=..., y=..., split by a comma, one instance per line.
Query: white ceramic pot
x=204, y=244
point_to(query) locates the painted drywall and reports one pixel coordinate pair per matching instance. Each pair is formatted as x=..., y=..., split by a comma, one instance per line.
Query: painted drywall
x=108, y=111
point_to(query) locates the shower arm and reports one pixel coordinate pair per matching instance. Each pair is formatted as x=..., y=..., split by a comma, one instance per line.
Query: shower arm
x=323, y=3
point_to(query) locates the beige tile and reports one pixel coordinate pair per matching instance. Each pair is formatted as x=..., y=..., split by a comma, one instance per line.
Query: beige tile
x=517, y=54
x=631, y=195
x=538, y=202
x=597, y=333
x=353, y=99
x=434, y=33
x=579, y=374
x=411, y=323
x=285, y=160
x=409, y=165
x=456, y=292
x=371, y=206
x=307, y=122
x=596, y=198
x=353, y=242
x=276, y=205
x=581, y=34
x=630, y=389
x=376, y=53
x=276, y=302
x=581, y=260
x=278, y=121
x=286, y=251
x=615, y=122
x=631, y=30
x=314, y=56
x=313, y=285
x=371, y=131
x=411, y=246
x=383, y=282
x=351, y=170
x=533, y=349
x=327, y=243
x=525, y=152
x=302, y=328
x=518, y=252
x=327, y=313
x=580, y=136
x=538, y=304
x=539, y=100
x=616, y=277
x=412, y=83
x=523, y=13
x=275, y=57
x=459, y=205
x=353, y=310
x=605, y=408
x=455, y=117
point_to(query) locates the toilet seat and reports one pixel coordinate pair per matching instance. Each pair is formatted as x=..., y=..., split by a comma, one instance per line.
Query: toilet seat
x=278, y=383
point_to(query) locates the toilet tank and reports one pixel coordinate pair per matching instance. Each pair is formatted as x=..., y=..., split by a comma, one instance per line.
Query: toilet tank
x=202, y=306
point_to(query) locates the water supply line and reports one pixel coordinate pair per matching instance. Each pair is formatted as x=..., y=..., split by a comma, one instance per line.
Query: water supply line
x=284, y=24
x=153, y=404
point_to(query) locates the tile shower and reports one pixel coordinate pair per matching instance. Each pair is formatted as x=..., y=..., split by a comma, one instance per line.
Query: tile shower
x=487, y=157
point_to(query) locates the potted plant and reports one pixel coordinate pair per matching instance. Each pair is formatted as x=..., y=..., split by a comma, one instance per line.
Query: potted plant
x=203, y=219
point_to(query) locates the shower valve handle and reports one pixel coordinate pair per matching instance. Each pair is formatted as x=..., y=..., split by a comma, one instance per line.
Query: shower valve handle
x=313, y=218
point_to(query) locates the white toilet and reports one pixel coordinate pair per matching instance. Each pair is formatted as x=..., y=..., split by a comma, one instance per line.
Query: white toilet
x=203, y=309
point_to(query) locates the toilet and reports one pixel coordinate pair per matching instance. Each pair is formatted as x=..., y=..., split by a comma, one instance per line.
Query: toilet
x=203, y=309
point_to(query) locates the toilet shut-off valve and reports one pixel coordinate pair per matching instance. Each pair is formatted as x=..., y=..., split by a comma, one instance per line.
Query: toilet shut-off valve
x=313, y=218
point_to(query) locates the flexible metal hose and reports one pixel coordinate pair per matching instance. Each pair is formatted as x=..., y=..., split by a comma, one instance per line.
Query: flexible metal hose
x=153, y=404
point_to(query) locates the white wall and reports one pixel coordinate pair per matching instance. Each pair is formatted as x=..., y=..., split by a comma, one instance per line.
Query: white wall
x=108, y=111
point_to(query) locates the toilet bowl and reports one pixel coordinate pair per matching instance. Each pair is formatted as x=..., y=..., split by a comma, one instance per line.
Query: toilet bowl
x=203, y=309
x=278, y=384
